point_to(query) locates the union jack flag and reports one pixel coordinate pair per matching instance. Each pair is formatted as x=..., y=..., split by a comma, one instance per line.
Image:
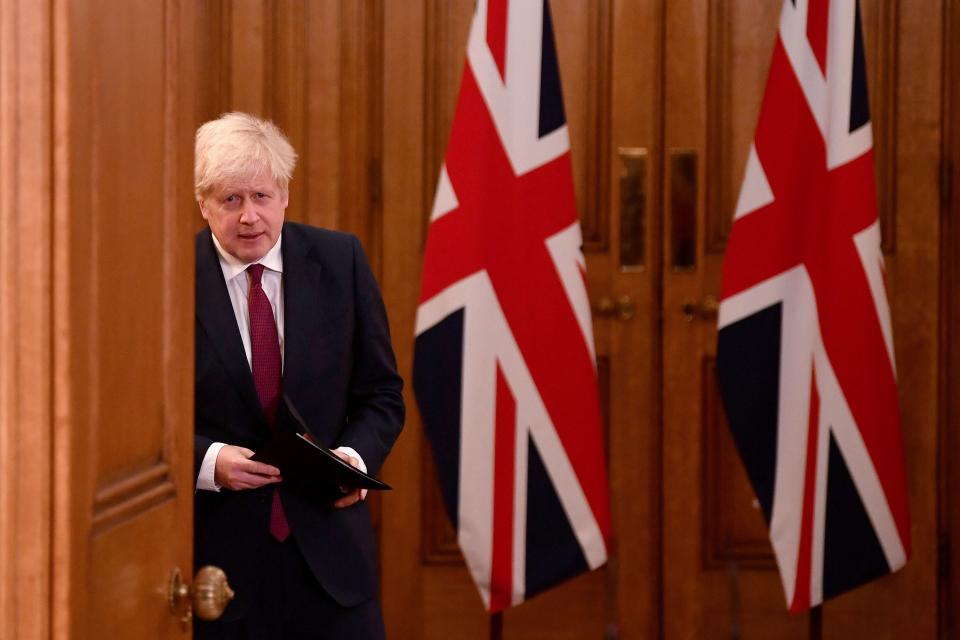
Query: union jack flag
x=504, y=364
x=805, y=353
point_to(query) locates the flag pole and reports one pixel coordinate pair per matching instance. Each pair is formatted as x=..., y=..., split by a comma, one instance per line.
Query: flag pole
x=816, y=622
x=496, y=626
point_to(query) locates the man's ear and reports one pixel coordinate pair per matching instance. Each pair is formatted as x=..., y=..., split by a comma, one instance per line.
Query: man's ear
x=203, y=207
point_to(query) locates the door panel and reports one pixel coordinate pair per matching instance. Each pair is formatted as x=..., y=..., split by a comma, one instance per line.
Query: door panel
x=608, y=58
x=719, y=570
x=683, y=81
x=719, y=573
x=123, y=318
x=25, y=320
x=908, y=171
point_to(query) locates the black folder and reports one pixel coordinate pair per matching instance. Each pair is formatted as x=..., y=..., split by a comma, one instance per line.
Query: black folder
x=307, y=466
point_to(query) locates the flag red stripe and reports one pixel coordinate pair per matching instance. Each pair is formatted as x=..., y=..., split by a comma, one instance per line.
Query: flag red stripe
x=497, y=33
x=817, y=14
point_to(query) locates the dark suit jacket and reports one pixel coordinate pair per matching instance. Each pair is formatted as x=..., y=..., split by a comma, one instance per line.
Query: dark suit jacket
x=339, y=371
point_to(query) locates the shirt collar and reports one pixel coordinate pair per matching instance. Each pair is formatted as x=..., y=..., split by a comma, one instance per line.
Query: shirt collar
x=232, y=267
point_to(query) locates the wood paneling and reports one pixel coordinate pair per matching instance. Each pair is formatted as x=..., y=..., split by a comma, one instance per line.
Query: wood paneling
x=636, y=463
x=588, y=110
x=123, y=316
x=445, y=32
x=406, y=199
x=739, y=42
x=439, y=538
x=290, y=82
x=882, y=34
x=26, y=391
x=949, y=369
x=315, y=69
x=95, y=278
x=248, y=29
x=127, y=64
x=734, y=531
x=128, y=498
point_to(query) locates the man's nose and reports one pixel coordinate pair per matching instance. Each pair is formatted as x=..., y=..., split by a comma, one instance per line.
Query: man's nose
x=248, y=215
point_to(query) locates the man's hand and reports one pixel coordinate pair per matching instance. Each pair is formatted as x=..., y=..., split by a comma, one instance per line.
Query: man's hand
x=351, y=495
x=236, y=471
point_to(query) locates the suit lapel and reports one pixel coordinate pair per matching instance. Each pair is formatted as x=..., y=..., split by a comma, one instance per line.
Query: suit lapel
x=215, y=314
x=306, y=309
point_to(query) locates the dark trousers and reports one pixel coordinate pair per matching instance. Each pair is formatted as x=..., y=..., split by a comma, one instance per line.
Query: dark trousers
x=291, y=605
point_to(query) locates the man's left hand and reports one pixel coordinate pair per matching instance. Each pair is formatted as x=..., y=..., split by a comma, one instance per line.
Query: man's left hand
x=351, y=495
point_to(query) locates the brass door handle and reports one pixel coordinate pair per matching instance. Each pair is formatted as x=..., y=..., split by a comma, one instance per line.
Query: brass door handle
x=704, y=309
x=623, y=308
x=209, y=595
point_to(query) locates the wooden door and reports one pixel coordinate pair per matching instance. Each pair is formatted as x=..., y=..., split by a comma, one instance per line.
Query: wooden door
x=123, y=278
x=97, y=365
x=609, y=63
x=719, y=578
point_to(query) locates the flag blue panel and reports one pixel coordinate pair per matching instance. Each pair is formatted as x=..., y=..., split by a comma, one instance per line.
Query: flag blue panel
x=438, y=395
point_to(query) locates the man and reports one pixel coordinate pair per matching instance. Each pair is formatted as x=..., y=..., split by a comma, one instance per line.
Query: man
x=283, y=309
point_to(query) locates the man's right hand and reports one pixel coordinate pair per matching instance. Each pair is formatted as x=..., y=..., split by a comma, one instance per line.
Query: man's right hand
x=236, y=471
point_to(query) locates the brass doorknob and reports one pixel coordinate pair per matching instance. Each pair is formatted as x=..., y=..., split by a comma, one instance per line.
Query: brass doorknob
x=705, y=309
x=209, y=595
x=623, y=308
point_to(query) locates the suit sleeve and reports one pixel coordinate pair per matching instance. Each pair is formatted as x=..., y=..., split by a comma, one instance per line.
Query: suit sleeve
x=375, y=410
x=200, y=446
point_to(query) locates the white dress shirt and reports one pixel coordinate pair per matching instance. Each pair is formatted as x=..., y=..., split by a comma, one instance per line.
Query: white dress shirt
x=238, y=286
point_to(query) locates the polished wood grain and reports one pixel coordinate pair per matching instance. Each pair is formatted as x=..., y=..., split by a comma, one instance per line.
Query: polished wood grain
x=949, y=440
x=26, y=318
x=732, y=587
x=634, y=607
x=734, y=532
x=405, y=200
x=715, y=580
x=123, y=318
x=95, y=227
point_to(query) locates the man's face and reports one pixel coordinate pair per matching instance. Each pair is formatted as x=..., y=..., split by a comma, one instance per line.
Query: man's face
x=246, y=216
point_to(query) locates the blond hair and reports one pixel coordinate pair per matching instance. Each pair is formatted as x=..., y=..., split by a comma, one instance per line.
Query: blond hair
x=238, y=145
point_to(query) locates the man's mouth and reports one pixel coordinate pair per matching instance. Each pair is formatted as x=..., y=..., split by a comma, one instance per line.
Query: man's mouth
x=250, y=236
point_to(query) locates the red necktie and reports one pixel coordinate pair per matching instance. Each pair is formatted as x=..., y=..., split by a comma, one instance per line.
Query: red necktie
x=266, y=365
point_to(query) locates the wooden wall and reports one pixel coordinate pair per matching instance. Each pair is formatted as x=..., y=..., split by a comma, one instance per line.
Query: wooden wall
x=680, y=79
x=313, y=68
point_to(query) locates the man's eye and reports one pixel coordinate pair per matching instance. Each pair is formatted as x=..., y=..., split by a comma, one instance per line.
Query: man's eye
x=231, y=198
x=260, y=194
